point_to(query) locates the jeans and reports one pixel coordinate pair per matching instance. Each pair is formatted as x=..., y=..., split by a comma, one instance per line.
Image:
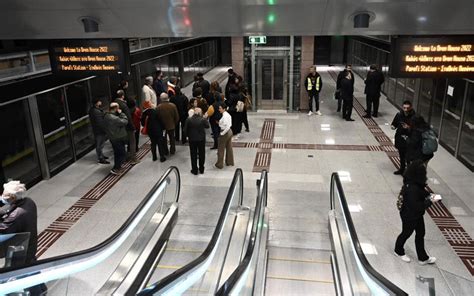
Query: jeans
x=100, y=140
x=408, y=226
x=119, y=153
x=315, y=96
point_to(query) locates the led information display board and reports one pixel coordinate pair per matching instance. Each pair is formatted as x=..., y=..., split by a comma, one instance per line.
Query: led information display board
x=88, y=57
x=449, y=56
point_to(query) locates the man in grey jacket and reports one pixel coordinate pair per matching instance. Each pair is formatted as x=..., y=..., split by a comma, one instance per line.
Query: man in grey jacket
x=115, y=128
x=96, y=117
x=194, y=129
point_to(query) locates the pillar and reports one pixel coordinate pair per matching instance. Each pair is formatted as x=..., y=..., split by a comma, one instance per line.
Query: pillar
x=307, y=60
x=237, y=49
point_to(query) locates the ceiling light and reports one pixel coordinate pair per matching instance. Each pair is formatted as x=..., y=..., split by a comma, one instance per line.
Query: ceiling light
x=422, y=19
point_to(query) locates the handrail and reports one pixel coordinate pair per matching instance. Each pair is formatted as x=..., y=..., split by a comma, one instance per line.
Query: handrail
x=44, y=270
x=336, y=184
x=183, y=272
x=237, y=276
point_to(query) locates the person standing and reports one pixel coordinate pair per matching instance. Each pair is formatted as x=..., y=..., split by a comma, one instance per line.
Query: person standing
x=158, y=85
x=96, y=117
x=313, y=85
x=168, y=114
x=341, y=76
x=204, y=85
x=136, y=115
x=181, y=102
x=415, y=200
x=401, y=123
x=215, y=99
x=233, y=108
x=195, y=129
x=116, y=128
x=155, y=131
x=225, y=139
x=148, y=93
x=347, y=96
x=132, y=145
x=415, y=141
x=373, y=84
x=231, y=75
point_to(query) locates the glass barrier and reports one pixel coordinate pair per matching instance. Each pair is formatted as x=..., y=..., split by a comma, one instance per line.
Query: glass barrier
x=207, y=266
x=84, y=272
x=363, y=279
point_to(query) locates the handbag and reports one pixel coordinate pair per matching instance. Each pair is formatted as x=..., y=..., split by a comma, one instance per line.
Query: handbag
x=248, y=102
x=144, y=130
x=240, y=106
x=400, y=197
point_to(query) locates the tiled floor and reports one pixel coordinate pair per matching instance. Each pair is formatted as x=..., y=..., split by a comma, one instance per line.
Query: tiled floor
x=300, y=153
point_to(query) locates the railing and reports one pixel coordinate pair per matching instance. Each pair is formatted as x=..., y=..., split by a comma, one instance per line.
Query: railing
x=17, y=278
x=355, y=275
x=247, y=267
x=182, y=279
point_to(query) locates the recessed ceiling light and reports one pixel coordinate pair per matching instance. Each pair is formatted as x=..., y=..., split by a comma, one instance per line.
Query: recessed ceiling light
x=422, y=19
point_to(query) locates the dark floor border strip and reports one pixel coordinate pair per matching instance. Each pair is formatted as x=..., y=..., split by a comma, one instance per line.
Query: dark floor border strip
x=263, y=156
x=452, y=231
x=63, y=223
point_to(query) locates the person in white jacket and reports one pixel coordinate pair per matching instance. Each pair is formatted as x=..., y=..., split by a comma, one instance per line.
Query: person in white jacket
x=148, y=93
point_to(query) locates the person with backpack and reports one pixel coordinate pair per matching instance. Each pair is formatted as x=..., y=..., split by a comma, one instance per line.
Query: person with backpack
x=401, y=123
x=415, y=200
x=422, y=142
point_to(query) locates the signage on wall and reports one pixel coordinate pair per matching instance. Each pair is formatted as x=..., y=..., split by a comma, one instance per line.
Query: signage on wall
x=419, y=57
x=258, y=40
x=88, y=56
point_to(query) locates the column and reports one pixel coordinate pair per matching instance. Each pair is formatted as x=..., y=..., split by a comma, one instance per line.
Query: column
x=307, y=60
x=237, y=44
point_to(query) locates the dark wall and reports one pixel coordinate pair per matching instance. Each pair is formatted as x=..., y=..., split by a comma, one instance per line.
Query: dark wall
x=226, y=50
x=322, y=50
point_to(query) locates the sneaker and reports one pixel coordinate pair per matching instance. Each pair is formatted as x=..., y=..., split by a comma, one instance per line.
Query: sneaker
x=404, y=258
x=430, y=260
x=103, y=161
x=310, y=113
x=319, y=113
x=115, y=172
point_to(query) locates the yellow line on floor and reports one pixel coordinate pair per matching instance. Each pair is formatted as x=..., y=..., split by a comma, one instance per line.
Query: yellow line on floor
x=183, y=250
x=300, y=260
x=298, y=279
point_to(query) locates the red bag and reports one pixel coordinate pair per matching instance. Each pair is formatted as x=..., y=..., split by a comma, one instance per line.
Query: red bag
x=144, y=130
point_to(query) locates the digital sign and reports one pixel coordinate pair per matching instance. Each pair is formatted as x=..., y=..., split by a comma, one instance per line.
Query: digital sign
x=88, y=57
x=420, y=57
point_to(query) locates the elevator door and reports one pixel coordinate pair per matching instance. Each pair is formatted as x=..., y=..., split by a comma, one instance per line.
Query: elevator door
x=272, y=82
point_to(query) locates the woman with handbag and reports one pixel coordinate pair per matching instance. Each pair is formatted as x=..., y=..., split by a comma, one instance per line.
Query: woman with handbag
x=415, y=200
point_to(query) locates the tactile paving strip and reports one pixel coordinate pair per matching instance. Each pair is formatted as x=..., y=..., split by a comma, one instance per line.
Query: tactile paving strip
x=264, y=152
x=452, y=231
x=62, y=224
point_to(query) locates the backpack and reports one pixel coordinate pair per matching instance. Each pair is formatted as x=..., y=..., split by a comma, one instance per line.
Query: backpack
x=429, y=142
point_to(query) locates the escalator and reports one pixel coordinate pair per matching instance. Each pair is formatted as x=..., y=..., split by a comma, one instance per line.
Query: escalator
x=336, y=267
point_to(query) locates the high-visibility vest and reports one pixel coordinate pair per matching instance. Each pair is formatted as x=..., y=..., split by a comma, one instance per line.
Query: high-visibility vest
x=310, y=84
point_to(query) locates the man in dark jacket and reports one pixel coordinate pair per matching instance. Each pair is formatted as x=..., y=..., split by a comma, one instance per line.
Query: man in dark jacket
x=194, y=128
x=168, y=114
x=158, y=85
x=313, y=85
x=155, y=132
x=231, y=75
x=373, y=84
x=401, y=123
x=115, y=127
x=21, y=216
x=340, y=76
x=203, y=84
x=96, y=117
x=181, y=102
x=132, y=144
x=347, y=96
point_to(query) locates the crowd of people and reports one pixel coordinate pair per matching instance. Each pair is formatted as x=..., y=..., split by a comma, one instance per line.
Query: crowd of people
x=168, y=116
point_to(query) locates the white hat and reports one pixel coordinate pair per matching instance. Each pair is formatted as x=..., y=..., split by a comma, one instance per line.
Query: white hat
x=13, y=188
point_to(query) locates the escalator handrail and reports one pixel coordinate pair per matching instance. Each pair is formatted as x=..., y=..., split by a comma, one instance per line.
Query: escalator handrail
x=23, y=272
x=180, y=273
x=260, y=204
x=336, y=182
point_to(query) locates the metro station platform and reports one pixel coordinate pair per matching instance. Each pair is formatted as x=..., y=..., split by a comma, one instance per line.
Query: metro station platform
x=84, y=204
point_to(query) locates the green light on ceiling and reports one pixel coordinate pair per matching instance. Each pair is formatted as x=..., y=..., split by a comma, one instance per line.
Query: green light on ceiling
x=271, y=18
x=271, y=2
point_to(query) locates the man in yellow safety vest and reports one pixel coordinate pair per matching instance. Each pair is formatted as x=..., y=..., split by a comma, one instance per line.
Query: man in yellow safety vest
x=313, y=85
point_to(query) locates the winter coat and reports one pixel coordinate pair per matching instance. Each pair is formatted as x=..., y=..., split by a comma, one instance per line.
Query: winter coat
x=181, y=102
x=154, y=125
x=194, y=128
x=125, y=110
x=373, y=83
x=96, y=117
x=414, y=203
x=115, y=126
x=159, y=87
x=401, y=133
x=22, y=217
x=347, y=89
x=342, y=75
x=168, y=114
